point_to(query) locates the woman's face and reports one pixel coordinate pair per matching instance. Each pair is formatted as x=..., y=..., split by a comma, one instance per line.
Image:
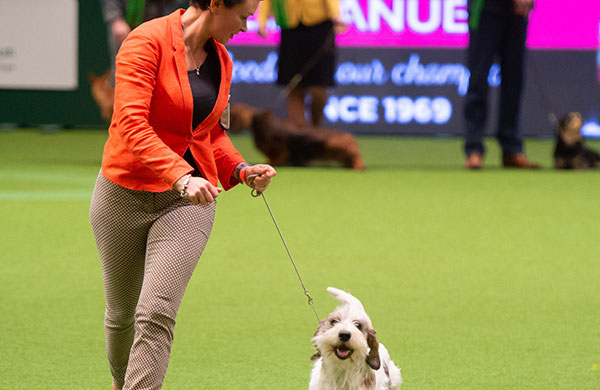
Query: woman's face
x=231, y=21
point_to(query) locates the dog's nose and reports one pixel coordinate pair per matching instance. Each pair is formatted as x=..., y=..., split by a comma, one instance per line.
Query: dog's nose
x=344, y=336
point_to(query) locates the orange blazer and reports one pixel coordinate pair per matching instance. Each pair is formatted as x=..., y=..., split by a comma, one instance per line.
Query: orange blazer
x=151, y=126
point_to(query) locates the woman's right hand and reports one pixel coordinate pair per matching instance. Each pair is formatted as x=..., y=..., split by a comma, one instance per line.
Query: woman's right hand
x=198, y=190
x=339, y=26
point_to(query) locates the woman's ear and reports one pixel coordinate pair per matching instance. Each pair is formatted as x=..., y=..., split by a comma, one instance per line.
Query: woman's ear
x=215, y=5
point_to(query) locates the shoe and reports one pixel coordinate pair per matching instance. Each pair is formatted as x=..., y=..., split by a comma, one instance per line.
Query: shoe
x=474, y=161
x=518, y=160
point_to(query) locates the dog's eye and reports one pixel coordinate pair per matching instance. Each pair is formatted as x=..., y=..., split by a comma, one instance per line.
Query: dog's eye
x=358, y=325
x=333, y=322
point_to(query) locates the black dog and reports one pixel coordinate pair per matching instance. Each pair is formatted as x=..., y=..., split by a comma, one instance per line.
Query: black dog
x=570, y=151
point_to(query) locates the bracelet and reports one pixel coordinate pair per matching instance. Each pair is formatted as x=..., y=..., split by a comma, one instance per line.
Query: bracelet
x=237, y=172
x=186, y=181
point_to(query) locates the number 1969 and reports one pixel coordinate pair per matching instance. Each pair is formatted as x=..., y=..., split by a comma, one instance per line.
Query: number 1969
x=423, y=110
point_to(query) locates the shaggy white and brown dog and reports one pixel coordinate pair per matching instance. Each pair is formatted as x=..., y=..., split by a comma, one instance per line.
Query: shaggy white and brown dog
x=349, y=357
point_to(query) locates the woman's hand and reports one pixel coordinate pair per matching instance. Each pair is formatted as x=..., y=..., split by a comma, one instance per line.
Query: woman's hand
x=120, y=29
x=259, y=176
x=339, y=26
x=262, y=32
x=198, y=190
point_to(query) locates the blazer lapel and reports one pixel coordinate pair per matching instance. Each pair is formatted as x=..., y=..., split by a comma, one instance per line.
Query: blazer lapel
x=180, y=63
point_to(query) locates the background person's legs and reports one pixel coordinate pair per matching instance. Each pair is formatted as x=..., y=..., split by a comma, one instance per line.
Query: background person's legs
x=512, y=65
x=483, y=47
x=318, y=96
x=295, y=106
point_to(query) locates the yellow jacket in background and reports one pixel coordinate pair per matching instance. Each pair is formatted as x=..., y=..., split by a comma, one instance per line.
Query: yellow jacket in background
x=290, y=13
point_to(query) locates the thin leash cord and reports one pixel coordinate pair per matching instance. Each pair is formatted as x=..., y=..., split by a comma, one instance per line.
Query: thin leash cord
x=311, y=302
x=292, y=84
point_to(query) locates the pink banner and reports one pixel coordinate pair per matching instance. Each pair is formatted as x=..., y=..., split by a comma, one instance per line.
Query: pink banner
x=554, y=24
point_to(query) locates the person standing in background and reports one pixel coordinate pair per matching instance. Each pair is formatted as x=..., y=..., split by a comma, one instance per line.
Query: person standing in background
x=306, y=53
x=497, y=28
x=122, y=16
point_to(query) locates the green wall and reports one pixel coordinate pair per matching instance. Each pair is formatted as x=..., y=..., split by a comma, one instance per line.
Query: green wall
x=65, y=108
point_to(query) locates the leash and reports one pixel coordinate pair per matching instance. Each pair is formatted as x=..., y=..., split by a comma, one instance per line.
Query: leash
x=255, y=194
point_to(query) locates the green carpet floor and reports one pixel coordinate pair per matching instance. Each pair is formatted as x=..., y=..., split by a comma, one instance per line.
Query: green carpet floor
x=473, y=280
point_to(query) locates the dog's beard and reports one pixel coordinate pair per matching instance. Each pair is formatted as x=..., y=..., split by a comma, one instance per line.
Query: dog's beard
x=333, y=349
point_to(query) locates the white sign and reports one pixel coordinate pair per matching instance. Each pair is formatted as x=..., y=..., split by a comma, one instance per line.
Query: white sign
x=38, y=44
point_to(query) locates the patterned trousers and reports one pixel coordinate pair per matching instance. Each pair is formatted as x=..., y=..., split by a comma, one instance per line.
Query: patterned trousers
x=149, y=244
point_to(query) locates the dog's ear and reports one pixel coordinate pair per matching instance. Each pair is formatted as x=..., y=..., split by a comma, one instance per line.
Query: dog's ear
x=317, y=355
x=373, y=356
x=555, y=123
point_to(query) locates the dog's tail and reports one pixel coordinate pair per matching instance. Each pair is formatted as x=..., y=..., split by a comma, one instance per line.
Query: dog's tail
x=346, y=298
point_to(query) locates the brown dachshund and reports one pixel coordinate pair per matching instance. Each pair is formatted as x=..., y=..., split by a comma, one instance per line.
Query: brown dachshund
x=285, y=143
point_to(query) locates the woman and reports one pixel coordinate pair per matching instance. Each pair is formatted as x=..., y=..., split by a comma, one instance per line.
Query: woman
x=154, y=201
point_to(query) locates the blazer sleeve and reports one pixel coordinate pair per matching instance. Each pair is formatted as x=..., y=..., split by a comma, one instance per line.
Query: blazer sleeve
x=226, y=157
x=137, y=67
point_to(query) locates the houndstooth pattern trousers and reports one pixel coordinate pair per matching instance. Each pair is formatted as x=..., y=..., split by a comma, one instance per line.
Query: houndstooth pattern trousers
x=149, y=244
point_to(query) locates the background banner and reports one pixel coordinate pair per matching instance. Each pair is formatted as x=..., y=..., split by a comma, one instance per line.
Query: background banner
x=421, y=91
x=554, y=24
x=38, y=44
x=401, y=67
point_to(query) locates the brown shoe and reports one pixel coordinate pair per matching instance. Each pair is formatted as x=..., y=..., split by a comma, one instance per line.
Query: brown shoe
x=474, y=161
x=518, y=160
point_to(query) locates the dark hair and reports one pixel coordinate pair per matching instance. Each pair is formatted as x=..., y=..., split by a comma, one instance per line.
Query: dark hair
x=205, y=4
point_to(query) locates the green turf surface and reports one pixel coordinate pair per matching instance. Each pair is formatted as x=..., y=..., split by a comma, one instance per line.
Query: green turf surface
x=473, y=280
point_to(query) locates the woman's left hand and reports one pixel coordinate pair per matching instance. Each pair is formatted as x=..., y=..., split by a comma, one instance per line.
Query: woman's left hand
x=259, y=176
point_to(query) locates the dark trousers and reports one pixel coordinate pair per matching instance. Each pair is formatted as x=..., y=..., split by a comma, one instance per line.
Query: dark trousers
x=502, y=35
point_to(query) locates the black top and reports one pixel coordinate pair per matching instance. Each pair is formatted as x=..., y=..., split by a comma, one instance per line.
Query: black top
x=205, y=83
